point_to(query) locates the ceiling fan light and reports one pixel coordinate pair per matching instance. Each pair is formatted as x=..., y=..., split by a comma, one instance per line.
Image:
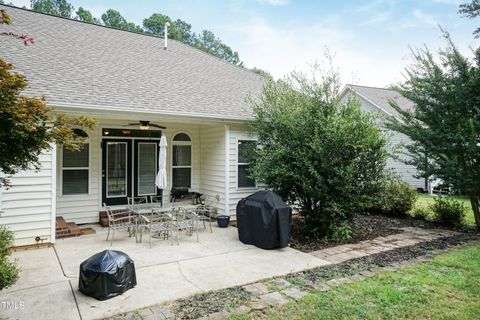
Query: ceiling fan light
x=144, y=125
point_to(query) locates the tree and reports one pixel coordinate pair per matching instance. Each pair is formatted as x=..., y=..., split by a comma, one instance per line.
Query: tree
x=113, y=18
x=262, y=72
x=155, y=24
x=27, y=125
x=55, y=7
x=471, y=10
x=179, y=30
x=315, y=149
x=446, y=119
x=86, y=16
x=183, y=32
x=208, y=42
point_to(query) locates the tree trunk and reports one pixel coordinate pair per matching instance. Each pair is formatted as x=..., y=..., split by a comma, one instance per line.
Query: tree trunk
x=475, y=202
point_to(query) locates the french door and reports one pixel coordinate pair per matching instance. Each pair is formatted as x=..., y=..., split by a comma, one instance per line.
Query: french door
x=129, y=168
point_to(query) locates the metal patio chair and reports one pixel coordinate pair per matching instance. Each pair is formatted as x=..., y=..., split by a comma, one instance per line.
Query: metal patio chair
x=121, y=220
x=206, y=211
x=184, y=220
x=137, y=203
x=159, y=224
x=156, y=201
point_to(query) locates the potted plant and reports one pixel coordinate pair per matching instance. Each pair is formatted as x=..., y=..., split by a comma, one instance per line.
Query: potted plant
x=223, y=221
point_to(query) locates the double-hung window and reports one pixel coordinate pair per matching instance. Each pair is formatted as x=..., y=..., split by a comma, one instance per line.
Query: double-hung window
x=245, y=147
x=75, y=167
x=182, y=161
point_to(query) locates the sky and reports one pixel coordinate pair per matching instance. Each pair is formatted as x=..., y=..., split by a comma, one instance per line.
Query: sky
x=370, y=40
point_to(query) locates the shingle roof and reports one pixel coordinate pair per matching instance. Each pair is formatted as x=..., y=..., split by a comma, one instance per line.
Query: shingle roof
x=80, y=64
x=381, y=97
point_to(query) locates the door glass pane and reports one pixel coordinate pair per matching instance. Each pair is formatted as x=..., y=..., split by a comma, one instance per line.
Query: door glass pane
x=147, y=168
x=182, y=156
x=116, y=169
x=181, y=177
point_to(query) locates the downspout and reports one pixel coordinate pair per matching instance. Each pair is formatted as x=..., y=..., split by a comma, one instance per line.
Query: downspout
x=54, y=193
x=227, y=170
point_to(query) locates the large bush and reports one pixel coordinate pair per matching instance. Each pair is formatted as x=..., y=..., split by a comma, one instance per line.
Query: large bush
x=396, y=198
x=317, y=150
x=8, y=269
x=449, y=211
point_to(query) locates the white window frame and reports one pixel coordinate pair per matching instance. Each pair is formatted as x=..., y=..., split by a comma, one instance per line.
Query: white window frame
x=182, y=143
x=62, y=168
x=237, y=164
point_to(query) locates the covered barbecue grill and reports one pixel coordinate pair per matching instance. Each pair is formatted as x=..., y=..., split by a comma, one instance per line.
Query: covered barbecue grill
x=264, y=220
x=107, y=274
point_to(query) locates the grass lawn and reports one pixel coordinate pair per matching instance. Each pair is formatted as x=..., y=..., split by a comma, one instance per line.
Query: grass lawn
x=426, y=199
x=448, y=287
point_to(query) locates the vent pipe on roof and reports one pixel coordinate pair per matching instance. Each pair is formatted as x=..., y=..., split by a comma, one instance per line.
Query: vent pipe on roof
x=167, y=24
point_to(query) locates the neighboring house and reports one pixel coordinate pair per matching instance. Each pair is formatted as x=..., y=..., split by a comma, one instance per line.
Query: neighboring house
x=377, y=100
x=119, y=77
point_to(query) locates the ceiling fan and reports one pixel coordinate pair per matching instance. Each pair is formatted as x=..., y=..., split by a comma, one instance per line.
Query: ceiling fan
x=145, y=125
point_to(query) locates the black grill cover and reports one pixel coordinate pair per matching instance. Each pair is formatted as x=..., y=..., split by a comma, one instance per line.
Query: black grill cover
x=264, y=220
x=107, y=274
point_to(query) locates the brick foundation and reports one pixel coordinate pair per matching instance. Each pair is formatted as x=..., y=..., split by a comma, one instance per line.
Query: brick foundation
x=66, y=230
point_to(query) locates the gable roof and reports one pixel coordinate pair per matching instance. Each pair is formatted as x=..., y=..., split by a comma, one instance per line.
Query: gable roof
x=77, y=64
x=380, y=97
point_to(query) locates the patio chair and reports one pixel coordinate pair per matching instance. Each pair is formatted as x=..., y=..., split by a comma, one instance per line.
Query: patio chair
x=206, y=211
x=184, y=220
x=137, y=203
x=157, y=223
x=121, y=220
x=156, y=201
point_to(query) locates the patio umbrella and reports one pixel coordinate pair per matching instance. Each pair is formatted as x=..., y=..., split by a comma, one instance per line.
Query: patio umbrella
x=161, y=179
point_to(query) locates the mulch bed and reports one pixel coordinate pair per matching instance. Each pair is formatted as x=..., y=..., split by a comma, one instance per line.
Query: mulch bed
x=363, y=227
x=202, y=304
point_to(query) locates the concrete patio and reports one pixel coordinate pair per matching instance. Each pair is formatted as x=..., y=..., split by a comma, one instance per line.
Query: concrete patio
x=48, y=285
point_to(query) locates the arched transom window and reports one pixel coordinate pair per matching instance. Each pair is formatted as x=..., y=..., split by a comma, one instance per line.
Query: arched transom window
x=182, y=161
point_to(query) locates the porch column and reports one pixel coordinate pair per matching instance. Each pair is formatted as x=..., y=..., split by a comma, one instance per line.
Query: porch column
x=54, y=193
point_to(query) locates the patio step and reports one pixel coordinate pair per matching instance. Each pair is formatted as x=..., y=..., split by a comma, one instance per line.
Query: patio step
x=66, y=230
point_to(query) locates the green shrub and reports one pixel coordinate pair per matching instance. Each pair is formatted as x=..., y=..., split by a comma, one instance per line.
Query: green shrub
x=8, y=269
x=449, y=211
x=421, y=212
x=340, y=233
x=397, y=198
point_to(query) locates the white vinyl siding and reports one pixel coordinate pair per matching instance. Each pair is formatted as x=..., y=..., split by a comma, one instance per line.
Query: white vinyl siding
x=212, y=156
x=237, y=132
x=27, y=205
x=405, y=171
x=82, y=208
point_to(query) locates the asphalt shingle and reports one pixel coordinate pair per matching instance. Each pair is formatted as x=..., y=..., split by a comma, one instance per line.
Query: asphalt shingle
x=84, y=65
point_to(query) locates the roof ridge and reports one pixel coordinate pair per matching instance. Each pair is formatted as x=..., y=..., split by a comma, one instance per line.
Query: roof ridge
x=80, y=21
x=371, y=87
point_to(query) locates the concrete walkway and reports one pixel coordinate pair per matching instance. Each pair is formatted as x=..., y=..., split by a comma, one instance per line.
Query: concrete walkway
x=48, y=285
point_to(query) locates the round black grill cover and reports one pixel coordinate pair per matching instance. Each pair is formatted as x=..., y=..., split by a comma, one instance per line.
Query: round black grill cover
x=107, y=274
x=264, y=220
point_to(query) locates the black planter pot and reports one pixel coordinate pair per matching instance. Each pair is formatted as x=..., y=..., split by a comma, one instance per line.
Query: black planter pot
x=223, y=221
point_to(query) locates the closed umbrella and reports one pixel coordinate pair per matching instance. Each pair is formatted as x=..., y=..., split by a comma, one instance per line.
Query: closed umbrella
x=161, y=179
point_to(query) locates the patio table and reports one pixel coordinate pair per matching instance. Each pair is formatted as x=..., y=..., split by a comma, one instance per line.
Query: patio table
x=145, y=210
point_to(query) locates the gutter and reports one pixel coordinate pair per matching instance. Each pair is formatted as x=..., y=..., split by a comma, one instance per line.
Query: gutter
x=105, y=109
